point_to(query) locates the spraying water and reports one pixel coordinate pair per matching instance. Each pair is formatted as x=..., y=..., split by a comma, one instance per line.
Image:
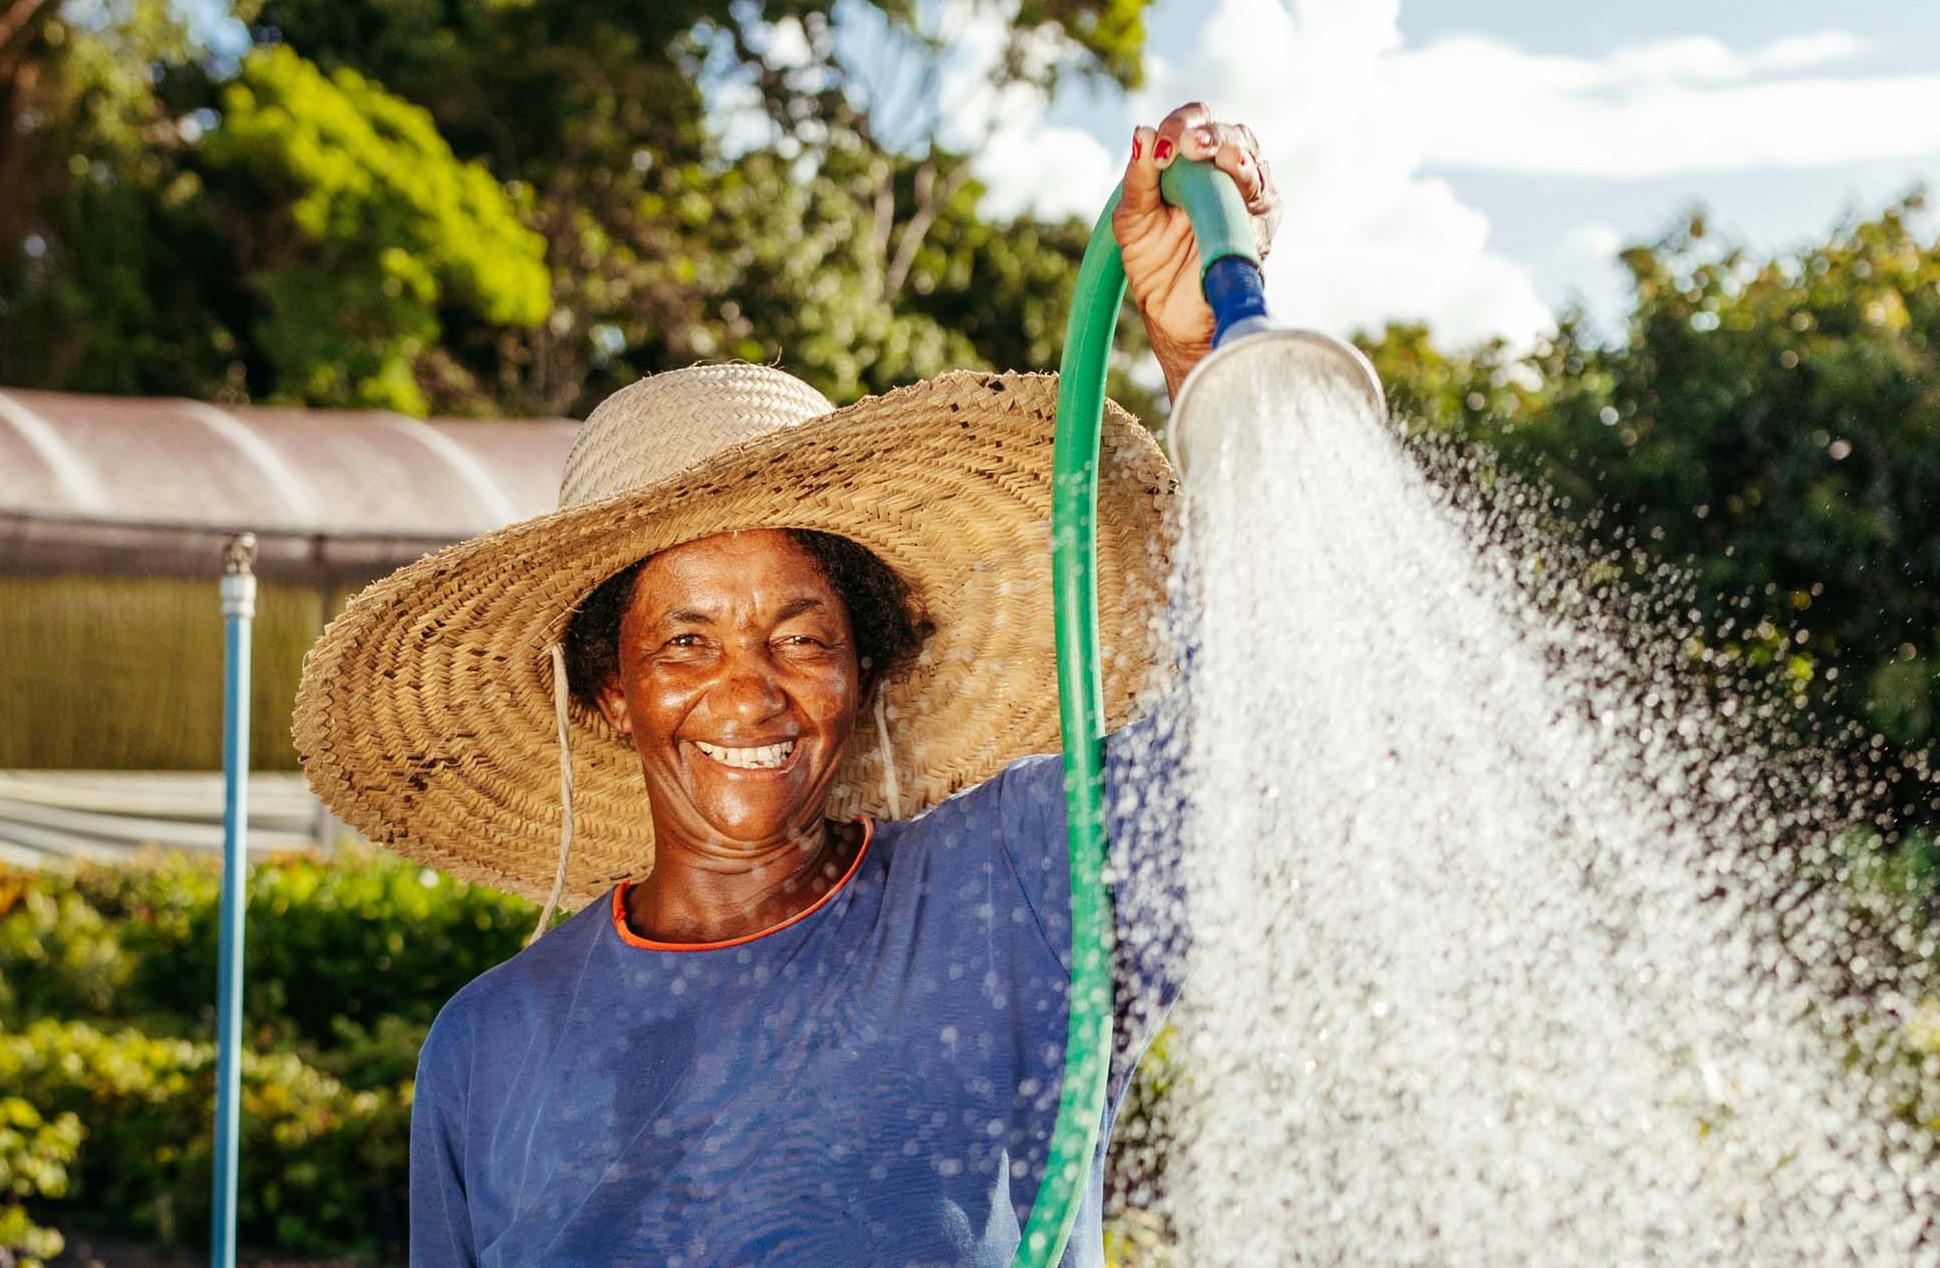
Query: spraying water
x=1507, y=948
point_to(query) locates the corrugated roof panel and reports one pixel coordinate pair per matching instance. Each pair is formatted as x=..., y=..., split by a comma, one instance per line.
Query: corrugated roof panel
x=154, y=462
x=29, y=478
x=506, y=448
x=80, y=473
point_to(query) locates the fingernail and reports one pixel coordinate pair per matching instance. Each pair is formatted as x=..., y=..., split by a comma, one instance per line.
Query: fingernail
x=1138, y=149
x=1205, y=137
x=1162, y=150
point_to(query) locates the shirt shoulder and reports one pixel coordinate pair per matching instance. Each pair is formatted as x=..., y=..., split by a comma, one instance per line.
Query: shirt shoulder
x=517, y=996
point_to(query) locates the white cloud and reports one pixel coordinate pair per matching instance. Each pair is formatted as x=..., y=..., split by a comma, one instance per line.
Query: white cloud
x=1354, y=123
x=1029, y=167
x=1366, y=237
x=1594, y=239
x=1663, y=109
x=1809, y=52
x=1049, y=172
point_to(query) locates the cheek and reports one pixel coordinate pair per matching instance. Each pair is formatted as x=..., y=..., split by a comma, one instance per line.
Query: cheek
x=826, y=702
x=657, y=701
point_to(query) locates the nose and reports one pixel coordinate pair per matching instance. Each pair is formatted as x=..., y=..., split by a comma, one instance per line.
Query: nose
x=747, y=690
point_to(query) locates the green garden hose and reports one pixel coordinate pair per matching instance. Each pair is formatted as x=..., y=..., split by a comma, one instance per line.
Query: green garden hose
x=1224, y=228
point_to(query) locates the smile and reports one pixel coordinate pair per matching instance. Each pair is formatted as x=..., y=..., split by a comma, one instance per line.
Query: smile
x=767, y=757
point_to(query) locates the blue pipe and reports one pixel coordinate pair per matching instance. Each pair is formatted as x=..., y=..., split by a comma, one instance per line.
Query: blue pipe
x=238, y=612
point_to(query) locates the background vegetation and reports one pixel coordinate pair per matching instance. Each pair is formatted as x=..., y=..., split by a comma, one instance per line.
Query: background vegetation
x=106, y=1026
x=511, y=207
x=1773, y=424
x=507, y=206
x=514, y=206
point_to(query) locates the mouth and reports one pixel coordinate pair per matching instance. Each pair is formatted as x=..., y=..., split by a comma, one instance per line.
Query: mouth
x=765, y=757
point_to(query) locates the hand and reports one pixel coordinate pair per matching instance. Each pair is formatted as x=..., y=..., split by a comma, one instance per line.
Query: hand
x=1161, y=255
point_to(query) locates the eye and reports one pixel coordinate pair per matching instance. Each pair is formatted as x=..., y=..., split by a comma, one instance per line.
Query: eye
x=682, y=647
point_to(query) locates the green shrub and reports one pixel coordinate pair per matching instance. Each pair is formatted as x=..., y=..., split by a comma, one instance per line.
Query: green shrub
x=59, y=956
x=330, y=943
x=323, y=1166
x=34, y=1155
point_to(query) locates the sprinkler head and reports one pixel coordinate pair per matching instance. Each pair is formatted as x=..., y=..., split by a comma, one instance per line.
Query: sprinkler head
x=1227, y=387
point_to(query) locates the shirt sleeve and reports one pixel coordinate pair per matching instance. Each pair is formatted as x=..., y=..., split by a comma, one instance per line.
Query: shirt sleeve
x=1145, y=817
x=441, y=1228
x=1145, y=810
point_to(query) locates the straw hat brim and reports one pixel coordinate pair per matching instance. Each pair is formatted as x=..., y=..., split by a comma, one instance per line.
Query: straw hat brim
x=425, y=718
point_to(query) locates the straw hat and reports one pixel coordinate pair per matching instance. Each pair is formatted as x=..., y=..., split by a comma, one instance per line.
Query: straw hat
x=431, y=716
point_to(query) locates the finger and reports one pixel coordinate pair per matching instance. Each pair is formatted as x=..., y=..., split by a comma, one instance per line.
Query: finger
x=1233, y=159
x=1180, y=134
x=1246, y=138
x=1267, y=195
x=1140, y=187
x=1265, y=224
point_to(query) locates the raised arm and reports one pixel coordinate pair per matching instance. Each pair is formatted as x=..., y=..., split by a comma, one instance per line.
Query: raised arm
x=1155, y=239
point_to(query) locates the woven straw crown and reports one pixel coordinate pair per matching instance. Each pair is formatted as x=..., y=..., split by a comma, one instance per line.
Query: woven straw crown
x=426, y=717
x=663, y=425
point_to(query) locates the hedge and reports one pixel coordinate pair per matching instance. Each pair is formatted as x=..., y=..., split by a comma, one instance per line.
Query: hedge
x=334, y=948
x=34, y=1154
x=323, y=1165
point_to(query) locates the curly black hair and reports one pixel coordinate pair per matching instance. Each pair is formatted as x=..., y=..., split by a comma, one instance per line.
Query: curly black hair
x=888, y=629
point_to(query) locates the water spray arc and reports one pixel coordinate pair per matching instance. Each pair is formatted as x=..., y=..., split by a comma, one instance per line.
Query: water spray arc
x=1246, y=344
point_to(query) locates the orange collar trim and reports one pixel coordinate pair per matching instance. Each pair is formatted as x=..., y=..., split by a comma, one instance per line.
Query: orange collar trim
x=633, y=939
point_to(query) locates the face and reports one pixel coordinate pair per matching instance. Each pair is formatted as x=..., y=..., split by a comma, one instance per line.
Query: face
x=738, y=684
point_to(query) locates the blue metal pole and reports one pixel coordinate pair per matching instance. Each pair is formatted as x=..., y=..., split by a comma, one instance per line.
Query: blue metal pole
x=238, y=610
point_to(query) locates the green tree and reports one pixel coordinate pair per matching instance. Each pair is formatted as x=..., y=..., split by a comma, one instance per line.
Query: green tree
x=662, y=248
x=1773, y=420
x=355, y=227
x=279, y=226
x=106, y=266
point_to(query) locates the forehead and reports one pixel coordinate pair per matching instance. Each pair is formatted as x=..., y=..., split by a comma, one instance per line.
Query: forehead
x=753, y=568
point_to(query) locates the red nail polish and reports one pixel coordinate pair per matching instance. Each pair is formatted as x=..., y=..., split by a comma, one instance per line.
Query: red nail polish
x=1163, y=150
x=1138, y=148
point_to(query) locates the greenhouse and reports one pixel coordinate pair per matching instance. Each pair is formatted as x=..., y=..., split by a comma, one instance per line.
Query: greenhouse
x=113, y=513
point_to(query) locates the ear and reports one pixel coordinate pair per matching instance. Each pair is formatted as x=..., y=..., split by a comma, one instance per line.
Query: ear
x=612, y=705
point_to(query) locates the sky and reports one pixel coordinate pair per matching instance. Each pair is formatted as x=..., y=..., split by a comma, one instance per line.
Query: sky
x=1477, y=164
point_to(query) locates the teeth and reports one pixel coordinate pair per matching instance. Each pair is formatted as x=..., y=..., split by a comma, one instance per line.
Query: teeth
x=766, y=757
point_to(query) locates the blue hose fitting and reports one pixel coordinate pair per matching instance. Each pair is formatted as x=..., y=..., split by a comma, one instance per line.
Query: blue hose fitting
x=1236, y=290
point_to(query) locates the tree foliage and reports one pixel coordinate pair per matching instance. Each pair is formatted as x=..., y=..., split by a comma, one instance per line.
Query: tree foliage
x=1772, y=420
x=361, y=226
x=514, y=206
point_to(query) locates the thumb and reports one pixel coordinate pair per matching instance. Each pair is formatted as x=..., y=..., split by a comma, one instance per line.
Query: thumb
x=1140, y=190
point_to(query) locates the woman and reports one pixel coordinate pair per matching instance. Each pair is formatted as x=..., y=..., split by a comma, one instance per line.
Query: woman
x=794, y=1027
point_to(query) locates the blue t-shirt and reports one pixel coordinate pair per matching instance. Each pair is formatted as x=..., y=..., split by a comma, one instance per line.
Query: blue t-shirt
x=873, y=1083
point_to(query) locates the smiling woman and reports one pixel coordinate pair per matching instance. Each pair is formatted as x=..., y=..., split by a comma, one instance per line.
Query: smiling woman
x=812, y=1009
x=737, y=665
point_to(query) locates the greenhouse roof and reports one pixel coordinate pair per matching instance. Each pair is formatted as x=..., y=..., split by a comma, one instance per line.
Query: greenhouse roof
x=117, y=484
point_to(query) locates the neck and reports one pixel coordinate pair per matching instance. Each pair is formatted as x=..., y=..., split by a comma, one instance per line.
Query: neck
x=700, y=895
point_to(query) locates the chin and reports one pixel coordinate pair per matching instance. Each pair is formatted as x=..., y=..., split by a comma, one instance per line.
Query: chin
x=752, y=823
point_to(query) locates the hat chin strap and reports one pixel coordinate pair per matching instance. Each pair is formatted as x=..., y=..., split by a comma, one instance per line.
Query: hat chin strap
x=891, y=794
x=560, y=693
